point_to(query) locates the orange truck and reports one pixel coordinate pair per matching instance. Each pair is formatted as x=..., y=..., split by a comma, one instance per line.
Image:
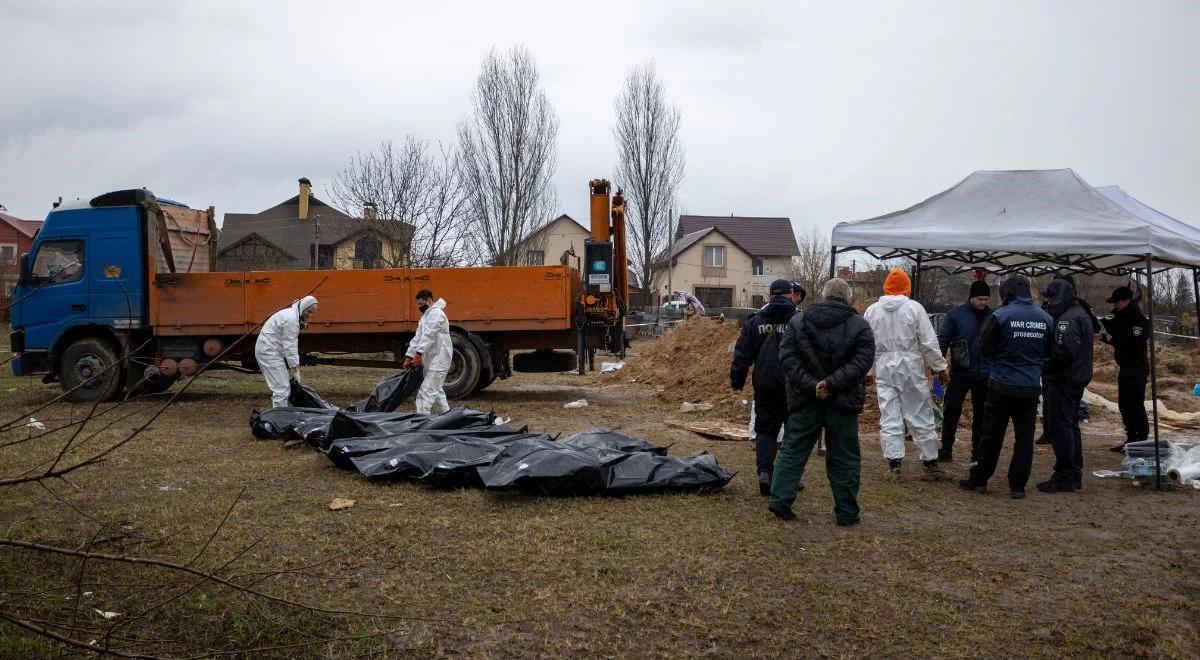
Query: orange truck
x=116, y=293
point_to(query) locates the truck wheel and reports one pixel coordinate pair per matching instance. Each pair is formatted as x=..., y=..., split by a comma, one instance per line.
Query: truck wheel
x=465, y=367
x=84, y=365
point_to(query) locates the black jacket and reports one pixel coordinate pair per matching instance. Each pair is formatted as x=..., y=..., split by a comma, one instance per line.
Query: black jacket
x=758, y=346
x=964, y=323
x=828, y=341
x=1069, y=361
x=1129, y=331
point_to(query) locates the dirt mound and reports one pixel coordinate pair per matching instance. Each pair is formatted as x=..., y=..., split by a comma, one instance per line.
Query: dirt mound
x=692, y=364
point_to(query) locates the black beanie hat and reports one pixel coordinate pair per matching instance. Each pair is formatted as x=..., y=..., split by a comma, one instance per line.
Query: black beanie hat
x=980, y=288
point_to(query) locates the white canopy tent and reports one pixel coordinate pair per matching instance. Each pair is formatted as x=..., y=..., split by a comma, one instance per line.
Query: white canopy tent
x=1033, y=222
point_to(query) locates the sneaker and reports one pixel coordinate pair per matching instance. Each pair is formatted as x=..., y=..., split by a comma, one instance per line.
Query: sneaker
x=933, y=470
x=945, y=456
x=1055, y=485
x=781, y=513
x=764, y=484
x=1017, y=493
x=895, y=467
x=967, y=484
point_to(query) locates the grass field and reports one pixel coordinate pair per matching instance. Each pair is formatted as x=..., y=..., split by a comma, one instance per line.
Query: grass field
x=932, y=571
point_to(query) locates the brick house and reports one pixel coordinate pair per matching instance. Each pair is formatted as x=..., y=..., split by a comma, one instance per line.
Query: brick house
x=16, y=237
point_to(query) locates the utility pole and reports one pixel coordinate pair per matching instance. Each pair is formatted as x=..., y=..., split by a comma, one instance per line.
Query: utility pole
x=316, y=251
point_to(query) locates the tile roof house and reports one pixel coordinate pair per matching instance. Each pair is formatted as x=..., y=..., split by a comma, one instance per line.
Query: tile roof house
x=304, y=233
x=16, y=237
x=709, y=264
x=770, y=242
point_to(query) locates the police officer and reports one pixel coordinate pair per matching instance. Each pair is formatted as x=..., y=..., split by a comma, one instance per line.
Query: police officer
x=959, y=338
x=758, y=347
x=1067, y=372
x=1016, y=338
x=1128, y=332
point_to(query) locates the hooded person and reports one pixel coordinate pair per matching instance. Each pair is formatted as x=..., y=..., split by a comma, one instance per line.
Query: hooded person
x=905, y=345
x=1067, y=371
x=758, y=347
x=959, y=338
x=1016, y=339
x=432, y=349
x=277, y=349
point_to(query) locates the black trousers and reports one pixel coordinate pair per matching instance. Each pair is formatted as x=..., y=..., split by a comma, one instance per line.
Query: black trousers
x=956, y=395
x=770, y=413
x=1131, y=400
x=1061, y=411
x=999, y=409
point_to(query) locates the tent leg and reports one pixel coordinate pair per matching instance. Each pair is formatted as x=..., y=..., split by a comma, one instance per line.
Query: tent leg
x=1196, y=297
x=1153, y=374
x=916, y=280
x=832, y=264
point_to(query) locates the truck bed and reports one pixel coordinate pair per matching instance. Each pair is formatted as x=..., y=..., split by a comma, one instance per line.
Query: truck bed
x=364, y=301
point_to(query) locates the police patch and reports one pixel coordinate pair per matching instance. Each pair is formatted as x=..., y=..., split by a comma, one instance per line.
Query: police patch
x=1062, y=330
x=1137, y=331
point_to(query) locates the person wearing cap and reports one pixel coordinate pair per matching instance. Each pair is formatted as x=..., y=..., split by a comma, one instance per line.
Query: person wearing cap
x=758, y=347
x=905, y=345
x=958, y=339
x=277, y=349
x=1067, y=371
x=1016, y=339
x=799, y=293
x=1128, y=333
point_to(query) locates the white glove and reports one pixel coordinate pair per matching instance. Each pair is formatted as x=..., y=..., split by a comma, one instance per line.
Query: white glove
x=294, y=372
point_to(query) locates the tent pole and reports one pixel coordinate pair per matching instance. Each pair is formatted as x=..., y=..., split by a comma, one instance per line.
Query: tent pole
x=1153, y=375
x=832, y=264
x=917, y=278
x=1196, y=296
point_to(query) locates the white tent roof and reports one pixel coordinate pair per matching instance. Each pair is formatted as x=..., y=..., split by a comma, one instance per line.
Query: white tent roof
x=1027, y=220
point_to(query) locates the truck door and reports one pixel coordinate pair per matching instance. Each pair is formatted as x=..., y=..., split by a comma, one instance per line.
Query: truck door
x=58, y=291
x=115, y=272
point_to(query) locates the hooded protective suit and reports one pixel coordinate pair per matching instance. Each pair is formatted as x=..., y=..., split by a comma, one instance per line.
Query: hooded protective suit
x=278, y=348
x=432, y=342
x=905, y=344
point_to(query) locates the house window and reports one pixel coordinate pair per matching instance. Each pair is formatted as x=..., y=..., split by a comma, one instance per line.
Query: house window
x=535, y=257
x=8, y=254
x=757, y=266
x=368, y=252
x=324, y=254
x=58, y=262
x=714, y=256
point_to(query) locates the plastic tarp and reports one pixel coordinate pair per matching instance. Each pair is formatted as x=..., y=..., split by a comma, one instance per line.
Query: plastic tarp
x=1025, y=220
x=388, y=394
x=465, y=448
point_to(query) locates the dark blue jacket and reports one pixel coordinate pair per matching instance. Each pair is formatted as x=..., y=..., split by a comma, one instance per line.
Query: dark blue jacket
x=758, y=346
x=1017, y=338
x=965, y=323
x=1070, y=359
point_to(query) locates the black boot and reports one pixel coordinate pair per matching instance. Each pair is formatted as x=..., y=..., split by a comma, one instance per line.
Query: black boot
x=895, y=468
x=967, y=484
x=1058, y=484
x=946, y=455
x=764, y=484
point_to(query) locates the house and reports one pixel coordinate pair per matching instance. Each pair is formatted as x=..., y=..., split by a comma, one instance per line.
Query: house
x=547, y=245
x=711, y=265
x=305, y=233
x=770, y=242
x=16, y=237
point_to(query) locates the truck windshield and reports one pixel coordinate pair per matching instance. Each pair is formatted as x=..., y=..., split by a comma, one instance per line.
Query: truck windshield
x=58, y=262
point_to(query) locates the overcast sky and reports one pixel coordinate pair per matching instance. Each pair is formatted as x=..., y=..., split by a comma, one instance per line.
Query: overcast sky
x=819, y=111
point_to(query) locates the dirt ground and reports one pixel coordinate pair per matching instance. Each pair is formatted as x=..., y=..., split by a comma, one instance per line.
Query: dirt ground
x=932, y=570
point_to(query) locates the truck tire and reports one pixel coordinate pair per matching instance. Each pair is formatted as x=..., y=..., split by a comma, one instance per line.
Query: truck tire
x=466, y=367
x=85, y=371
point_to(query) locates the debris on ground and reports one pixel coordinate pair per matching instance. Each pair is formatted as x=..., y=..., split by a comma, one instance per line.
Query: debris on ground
x=580, y=403
x=339, y=503
x=695, y=407
x=610, y=367
x=41, y=426
x=712, y=429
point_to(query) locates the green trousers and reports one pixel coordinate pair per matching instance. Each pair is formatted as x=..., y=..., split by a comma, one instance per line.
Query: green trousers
x=843, y=461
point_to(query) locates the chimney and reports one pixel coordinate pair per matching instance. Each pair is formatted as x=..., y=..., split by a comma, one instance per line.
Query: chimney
x=369, y=212
x=305, y=193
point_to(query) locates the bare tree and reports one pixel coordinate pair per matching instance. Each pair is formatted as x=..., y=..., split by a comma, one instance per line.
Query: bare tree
x=411, y=198
x=812, y=265
x=507, y=154
x=650, y=163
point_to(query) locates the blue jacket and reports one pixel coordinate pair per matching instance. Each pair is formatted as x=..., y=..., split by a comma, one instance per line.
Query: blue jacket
x=1017, y=338
x=964, y=323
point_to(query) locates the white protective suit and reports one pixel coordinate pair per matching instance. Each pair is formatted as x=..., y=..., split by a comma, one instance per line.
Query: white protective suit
x=432, y=343
x=905, y=343
x=278, y=349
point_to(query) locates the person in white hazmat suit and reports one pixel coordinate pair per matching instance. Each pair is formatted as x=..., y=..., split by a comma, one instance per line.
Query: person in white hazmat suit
x=431, y=348
x=905, y=343
x=278, y=347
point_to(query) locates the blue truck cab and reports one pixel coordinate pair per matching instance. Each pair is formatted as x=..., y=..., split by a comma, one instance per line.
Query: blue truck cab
x=80, y=306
